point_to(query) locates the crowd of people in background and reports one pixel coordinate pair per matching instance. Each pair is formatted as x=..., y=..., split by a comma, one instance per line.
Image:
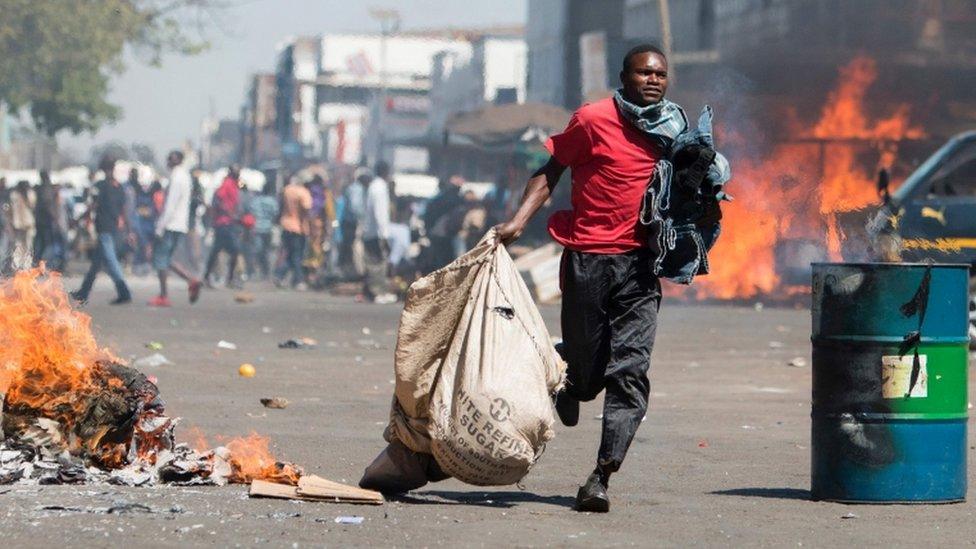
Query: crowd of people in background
x=305, y=230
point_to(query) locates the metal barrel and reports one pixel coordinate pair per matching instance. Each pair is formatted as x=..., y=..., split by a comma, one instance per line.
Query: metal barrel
x=890, y=357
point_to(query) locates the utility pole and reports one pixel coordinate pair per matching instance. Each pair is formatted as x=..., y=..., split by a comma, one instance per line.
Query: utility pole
x=389, y=23
x=664, y=11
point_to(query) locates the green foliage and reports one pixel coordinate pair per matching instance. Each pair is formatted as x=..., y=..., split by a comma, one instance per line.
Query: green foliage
x=139, y=152
x=57, y=56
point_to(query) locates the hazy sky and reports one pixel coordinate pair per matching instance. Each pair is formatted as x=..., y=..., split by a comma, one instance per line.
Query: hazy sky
x=165, y=106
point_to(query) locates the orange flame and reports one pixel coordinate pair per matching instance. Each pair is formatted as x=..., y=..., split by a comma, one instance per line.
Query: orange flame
x=197, y=439
x=51, y=364
x=843, y=116
x=47, y=350
x=250, y=458
x=800, y=187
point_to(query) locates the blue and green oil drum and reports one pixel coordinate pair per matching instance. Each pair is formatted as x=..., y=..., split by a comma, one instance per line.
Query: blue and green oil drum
x=890, y=354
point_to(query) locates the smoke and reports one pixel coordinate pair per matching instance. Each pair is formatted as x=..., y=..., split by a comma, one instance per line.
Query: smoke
x=731, y=95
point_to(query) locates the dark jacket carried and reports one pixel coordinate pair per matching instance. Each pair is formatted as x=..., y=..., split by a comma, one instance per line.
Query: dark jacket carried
x=682, y=203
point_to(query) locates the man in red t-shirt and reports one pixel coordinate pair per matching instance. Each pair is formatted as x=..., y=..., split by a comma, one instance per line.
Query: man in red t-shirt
x=610, y=293
x=228, y=231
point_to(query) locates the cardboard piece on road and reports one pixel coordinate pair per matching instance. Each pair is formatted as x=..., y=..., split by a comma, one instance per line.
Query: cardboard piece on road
x=318, y=487
x=313, y=488
x=265, y=489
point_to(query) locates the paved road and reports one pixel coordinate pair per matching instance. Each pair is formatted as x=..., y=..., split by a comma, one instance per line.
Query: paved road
x=722, y=460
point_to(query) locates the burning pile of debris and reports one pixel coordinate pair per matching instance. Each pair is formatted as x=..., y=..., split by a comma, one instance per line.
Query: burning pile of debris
x=74, y=413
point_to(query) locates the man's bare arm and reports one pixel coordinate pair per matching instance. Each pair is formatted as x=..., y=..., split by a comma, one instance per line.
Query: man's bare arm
x=537, y=191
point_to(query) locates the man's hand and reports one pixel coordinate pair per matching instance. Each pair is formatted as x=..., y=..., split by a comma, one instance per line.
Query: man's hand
x=508, y=232
x=537, y=191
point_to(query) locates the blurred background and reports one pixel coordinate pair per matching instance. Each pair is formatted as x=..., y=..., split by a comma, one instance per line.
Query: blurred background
x=813, y=98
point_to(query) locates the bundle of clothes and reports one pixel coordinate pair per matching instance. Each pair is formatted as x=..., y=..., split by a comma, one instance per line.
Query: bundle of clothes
x=681, y=205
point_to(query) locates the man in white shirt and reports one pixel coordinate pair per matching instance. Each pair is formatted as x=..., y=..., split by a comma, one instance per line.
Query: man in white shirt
x=171, y=227
x=376, y=231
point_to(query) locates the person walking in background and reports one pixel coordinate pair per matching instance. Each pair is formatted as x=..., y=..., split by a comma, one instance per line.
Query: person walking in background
x=376, y=230
x=63, y=210
x=246, y=230
x=110, y=223
x=333, y=272
x=296, y=203
x=319, y=221
x=264, y=209
x=226, y=226
x=354, y=204
x=84, y=240
x=442, y=223
x=193, y=233
x=146, y=214
x=45, y=219
x=399, y=240
x=171, y=228
x=22, y=201
x=127, y=252
x=158, y=197
x=6, y=232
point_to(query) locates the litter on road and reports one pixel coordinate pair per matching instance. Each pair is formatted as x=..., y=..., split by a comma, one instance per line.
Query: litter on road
x=316, y=488
x=154, y=360
x=277, y=403
x=298, y=343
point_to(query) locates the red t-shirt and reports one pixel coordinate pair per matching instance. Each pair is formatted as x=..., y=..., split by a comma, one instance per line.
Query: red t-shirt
x=611, y=163
x=226, y=199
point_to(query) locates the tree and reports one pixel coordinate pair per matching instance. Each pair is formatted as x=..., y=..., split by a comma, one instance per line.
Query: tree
x=58, y=56
x=143, y=153
x=113, y=149
x=137, y=152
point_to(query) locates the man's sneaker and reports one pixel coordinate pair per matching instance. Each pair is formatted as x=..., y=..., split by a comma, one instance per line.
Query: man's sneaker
x=194, y=290
x=121, y=300
x=592, y=496
x=160, y=301
x=79, y=299
x=567, y=408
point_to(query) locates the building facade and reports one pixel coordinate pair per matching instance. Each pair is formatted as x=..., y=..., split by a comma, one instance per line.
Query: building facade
x=494, y=73
x=573, y=48
x=260, y=141
x=787, y=52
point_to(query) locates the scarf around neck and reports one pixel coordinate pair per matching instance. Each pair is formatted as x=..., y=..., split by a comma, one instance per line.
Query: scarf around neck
x=663, y=121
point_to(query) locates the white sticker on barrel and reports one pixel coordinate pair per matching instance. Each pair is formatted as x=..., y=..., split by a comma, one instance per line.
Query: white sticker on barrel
x=896, y=377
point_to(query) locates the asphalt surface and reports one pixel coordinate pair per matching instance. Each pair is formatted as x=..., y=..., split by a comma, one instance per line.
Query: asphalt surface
x=722, y=459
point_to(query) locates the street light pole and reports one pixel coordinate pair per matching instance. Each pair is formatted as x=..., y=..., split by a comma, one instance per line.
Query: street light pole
x=664, y=11
x=389, y=23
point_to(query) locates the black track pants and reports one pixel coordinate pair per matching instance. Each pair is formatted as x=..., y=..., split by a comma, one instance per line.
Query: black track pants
x=609, y=317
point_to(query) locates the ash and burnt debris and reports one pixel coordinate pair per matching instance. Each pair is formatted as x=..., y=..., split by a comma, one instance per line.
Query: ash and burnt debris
x=25, y=464
x=114, y=432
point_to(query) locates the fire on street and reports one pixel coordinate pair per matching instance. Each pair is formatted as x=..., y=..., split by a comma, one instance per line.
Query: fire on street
x=723, y=457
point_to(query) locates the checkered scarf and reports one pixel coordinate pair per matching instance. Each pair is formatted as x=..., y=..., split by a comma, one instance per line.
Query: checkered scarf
x=663, y=121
